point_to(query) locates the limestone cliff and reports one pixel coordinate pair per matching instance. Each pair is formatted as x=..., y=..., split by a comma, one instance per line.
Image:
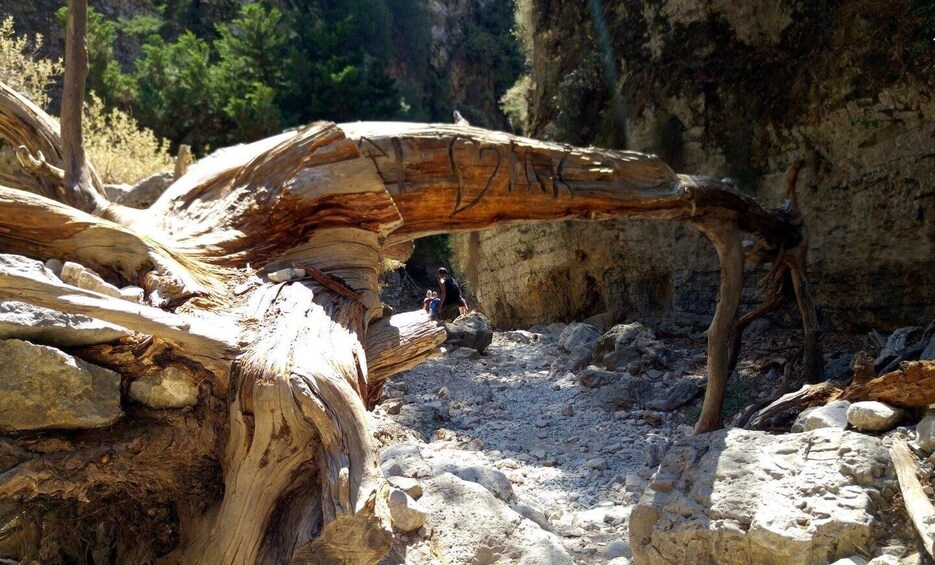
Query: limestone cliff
x=730, y=89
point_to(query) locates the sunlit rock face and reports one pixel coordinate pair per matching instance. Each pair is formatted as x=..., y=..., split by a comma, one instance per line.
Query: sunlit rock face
x=728, y=90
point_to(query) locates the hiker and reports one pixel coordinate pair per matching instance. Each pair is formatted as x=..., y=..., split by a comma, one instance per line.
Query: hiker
x=450, y=292
x=430, y=303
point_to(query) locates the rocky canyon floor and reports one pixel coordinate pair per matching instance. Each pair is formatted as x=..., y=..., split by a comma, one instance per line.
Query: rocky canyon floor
x=567, y=455
x=535, y=449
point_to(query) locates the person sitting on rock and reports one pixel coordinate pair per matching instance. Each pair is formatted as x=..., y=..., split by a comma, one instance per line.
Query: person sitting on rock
x=427, y=301
x=450, y=292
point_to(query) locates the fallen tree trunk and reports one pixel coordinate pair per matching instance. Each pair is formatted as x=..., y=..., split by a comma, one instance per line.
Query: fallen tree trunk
x=910, y=386
x=291, y=367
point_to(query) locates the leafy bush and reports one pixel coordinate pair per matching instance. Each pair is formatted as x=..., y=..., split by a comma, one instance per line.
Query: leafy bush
x=22, y=70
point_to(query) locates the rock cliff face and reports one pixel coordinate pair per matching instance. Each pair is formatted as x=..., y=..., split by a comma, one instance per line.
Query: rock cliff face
x=730, y=89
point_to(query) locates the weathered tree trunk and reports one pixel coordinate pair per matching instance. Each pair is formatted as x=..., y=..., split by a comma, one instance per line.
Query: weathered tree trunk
x=288, y=369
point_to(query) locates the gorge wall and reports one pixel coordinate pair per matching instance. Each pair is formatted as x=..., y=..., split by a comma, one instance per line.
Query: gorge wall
x=728, y=89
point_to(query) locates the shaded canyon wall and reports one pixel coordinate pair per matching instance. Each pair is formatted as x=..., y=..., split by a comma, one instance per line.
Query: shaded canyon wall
x=729, y=89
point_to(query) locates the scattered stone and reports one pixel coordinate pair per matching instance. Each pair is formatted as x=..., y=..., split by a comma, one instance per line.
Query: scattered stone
x=19, y=320
x=405, y=512
x=534, y=514
x=44, y=388
x=831, y=415
x=83, y=277
x=684, y=391
x=577, y=335
x=443, y=392
x=873, y=416
x=616, y=548
x=393, y=407
x=464, y=353
x=471, y=330
x=173, y=388
x=475, y=444
x=597, y=463
x=55, y=266
x=408, y=485
x=925, y=430
x=592, y=377
x=568, y=410
x=723, y=497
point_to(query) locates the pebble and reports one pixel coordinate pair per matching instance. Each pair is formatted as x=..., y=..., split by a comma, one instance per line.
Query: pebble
x=568, y=410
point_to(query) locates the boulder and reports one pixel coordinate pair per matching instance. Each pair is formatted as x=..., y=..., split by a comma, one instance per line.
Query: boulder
x=404, y=460
x=44, y=388
x=471, y=330
x=19, y=320
x=143, y=194
x=682, y=393
x=621, y=336
x=83, y=277
x=873, y=416
x=173, y=388
x=896, y=343
x=592, y=377
x=926, y=431
x=470, y=525
x=574, y=361
x=577, y=335
x=831, y=415
x=491, y=479
x=737, y=496
x=405, y=512
x=408, y=485
x=534, y=514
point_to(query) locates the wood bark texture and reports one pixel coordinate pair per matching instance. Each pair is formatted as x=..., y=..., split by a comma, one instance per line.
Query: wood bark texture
x=288, y=369
x=918, y=504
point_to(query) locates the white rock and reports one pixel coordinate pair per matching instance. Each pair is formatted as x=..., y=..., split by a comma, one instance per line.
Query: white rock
x=926, y=431
x=791, y=498
x=873, y=416
x=853, y=560
x=885, y=560
x=83, y=277
x=831, y=415
x=405, y=513
x=409, y=485
x=19, y=320
x=173, y=388
x=470, y=525
x=132, y=294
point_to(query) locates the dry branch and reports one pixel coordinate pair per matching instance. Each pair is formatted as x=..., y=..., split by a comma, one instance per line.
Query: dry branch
x=917, y=503
x=396, y=344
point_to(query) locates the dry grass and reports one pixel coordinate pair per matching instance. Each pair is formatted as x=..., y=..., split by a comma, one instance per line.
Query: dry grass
x=120, y=149
x=21, y=69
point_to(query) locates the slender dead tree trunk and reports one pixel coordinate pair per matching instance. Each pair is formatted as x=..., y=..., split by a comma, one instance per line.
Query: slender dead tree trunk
x=274, y=463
